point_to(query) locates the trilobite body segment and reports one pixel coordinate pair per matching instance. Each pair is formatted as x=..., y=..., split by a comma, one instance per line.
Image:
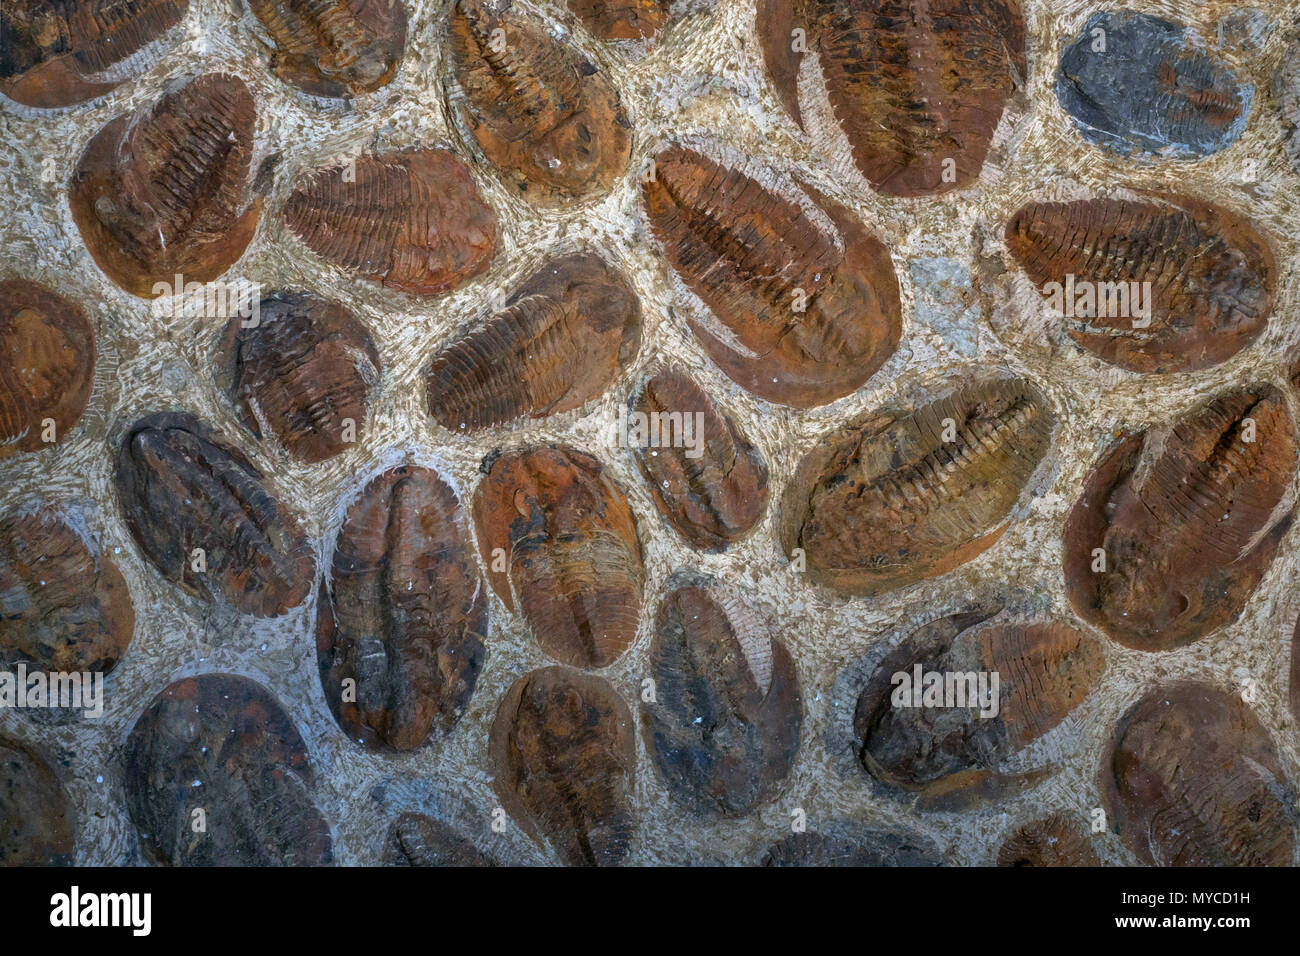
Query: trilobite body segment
x=723, y=729
x=564, y=757
x=968, y=699
x=337, y=47
x=167, y=191
x=1057, y=840
x=47, y=366
x=561, y=544
x=776, y=22
x=547, y=117
x=851, y=845
x=407, y=613
x=415, y=839
x=1166, y=284
x=302, y=372
x=621, y=19
x=1192, y=779
x=1135, y=83
x=563, y=337
x=805, y=306
x=1176, y=526
x=205, y=518
x=907, y=494
x=37, y=819
x=223, y=745
x=704, y=475
x=412, y=220
x=59, y=54
x=64, y=606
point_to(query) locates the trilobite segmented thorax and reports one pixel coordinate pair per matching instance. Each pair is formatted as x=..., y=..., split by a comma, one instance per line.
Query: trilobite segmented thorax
x=621, y=19
x=334, y=47
x=561, y=544
x=412, y=220
x=1166, y=284
x=563, y=337
x=906, y=494
x=416, y=839
x=1175, y=528
x=301, y=371
x=222, y=746
x=844, y=843
x=563, y=760
x=47, y=366
x=537, y=108
x=809, y=310
x=1192, y=779
x=406, y=613
x=205, y=518
x=1057, y=840
x=56, y=53
x=38, y=822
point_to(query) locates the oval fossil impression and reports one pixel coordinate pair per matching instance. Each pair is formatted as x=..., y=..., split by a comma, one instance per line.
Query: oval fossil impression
x=167, y=191
x=723, y=729
x=1165, y=284
x=59, y=54
x=1132, y=83
x=851, y=844
x=302, y=372
x=805, y=306
x=47, y=366
x=37, y=819
x=563, y=755
x=1053, y=841
x=946, y=707
x=1176, y=526
x=222, y=744
x=621, y=19
x=406, y=613
x=537, y=108
x=704, y=475
x=561, y=340
x=1192, y=779
x=561, y=545
x=336, y=48
x=202, y=514
x=412, y=220
x=416, y=839
x=907, y=494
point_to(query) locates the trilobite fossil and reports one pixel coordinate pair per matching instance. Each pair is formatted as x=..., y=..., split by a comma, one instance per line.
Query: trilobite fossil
x=546, y=116
x=621, y=19
x=851, y=844
x=223, y=745
x=1176, y=526
x=38, y=822
x=47, y=366
x=412, y=220
x=167, y=191
x=204, y=516
x=561, y=340
x=1056, y=840
x=563, y=759
x=416, y=839
x=1159, y=284
x=906, y=494
x=406, y=613
x=806, y=305
x=561, y=545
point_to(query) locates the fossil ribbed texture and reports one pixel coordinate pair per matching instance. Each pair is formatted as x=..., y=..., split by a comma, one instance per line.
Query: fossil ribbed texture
x=1057, y=840
x=415, y=839
x=850, y=844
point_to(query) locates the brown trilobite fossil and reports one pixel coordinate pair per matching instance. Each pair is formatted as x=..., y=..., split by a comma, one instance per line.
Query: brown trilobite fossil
x=704, y=475
x=58, y=54
x=203, y=515
x=47, y=366
x=38, y=822
x=776, y=21
x=415, y=839
x=907, y=494
x=808, y=310
x=561, y=545
x=302, y=372
x=537, y=108
x=560, y=341
x=944, y=733
x=406, y=613
x=1211, y=278
x=724, y=727
x=412, y=220
x=1053, y=841
x=167, y=191
x=222, y=743
x=850, y=844
x=1192, y=779
x=1176, y=526
x=563, y=756
x=64, y=606
x=621, y=19
x=336, y=48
